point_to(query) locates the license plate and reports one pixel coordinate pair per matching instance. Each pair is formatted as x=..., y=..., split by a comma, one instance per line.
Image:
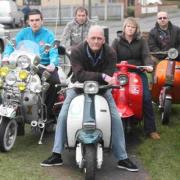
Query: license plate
x=7, y=111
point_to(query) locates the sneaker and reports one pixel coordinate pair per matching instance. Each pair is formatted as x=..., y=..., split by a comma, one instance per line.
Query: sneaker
x=53, y=160
x=128, y=165
x=154, y=136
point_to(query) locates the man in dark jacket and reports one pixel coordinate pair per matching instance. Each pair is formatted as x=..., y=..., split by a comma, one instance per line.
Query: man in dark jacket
x=92, y=60
x=164, y=36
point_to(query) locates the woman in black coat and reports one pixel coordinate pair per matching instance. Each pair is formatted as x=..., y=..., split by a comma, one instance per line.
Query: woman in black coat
x=130, y=46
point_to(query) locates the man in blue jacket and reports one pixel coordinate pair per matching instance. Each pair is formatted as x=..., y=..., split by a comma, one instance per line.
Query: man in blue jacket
x=40, y=35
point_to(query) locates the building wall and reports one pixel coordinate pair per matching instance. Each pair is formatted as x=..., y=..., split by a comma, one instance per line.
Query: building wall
x=55, y=2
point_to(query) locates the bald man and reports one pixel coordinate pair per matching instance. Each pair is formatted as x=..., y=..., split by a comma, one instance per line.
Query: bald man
x=164, y=35
x=92, y=60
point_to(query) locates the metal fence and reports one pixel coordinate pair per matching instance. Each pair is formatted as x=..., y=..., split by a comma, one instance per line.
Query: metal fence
x=63, y=14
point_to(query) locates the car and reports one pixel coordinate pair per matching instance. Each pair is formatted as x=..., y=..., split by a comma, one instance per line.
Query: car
x=4, y=34
x=10, y=14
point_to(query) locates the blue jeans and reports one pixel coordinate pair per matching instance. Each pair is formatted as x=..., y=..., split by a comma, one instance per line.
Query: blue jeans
x=149, y=117
x=118, y=141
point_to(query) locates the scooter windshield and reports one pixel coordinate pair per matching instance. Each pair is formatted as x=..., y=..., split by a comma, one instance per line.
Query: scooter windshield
x=28, y=46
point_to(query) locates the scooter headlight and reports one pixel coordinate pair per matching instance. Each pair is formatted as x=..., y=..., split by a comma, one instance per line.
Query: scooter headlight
x=4, y=71
x=91, y=87
x=123, y=79
x=11, y=78
x=35, y=84
x=23, y=74
x=21, y=86
x=172, y=53
x=23, y=62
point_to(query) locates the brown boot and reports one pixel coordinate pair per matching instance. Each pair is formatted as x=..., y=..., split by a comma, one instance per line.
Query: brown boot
x=154, y=136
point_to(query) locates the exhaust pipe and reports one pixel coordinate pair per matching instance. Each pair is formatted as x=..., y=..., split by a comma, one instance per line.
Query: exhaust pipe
x=34, y=123
x=41, y=124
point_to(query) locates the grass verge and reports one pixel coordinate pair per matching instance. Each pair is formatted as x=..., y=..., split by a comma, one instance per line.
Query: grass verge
x=162, y=158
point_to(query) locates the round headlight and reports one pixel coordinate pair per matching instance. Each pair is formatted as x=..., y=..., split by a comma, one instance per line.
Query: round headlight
x=23, y=74
x=23, y=62
x=91, y=87
x=4, y=71
x=21, y=86
x=172, y=53
x=35, y=84
x=123, y=79
x=11, y=78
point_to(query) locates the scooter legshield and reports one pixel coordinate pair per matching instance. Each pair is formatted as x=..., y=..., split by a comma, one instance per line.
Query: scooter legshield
x=103, y=119
x=74, y=119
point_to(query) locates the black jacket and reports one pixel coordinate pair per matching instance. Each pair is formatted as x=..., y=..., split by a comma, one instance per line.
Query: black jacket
x=83, y=67
x=154, y=40
x=136, y=52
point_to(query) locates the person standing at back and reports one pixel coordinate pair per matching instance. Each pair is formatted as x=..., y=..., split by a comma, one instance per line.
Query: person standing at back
x=164, y=36
x=76, y=30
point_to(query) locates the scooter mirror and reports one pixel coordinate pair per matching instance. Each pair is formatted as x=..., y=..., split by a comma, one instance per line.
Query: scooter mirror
x=172, y=53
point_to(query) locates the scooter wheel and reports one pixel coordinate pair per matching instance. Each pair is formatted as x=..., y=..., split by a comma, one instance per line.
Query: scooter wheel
x=166, y=112
x=8, y=134
x=90, y=162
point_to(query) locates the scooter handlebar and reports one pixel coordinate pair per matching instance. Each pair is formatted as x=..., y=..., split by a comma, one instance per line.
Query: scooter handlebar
x=124, y=64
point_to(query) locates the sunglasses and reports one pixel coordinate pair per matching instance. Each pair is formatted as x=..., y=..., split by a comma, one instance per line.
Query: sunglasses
x=160, y=18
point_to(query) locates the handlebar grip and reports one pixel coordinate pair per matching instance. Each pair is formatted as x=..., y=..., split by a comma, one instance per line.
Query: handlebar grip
x=61, y=85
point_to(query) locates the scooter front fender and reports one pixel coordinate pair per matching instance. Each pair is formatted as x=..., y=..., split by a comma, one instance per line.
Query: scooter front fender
x=89, y=136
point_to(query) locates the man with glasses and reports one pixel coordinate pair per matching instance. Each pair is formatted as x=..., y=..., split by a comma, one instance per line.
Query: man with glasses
x=164, y=36
x=37, y=33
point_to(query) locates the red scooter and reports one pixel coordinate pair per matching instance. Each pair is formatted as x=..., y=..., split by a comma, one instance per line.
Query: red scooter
x=129, y=96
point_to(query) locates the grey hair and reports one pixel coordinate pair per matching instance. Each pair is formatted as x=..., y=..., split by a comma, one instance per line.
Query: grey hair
x=133, y=21
x=96, y=28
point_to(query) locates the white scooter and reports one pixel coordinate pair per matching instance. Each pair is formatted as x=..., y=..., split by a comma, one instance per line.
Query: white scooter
x=89, y=127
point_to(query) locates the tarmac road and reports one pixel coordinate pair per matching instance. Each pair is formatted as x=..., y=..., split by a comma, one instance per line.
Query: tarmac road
x=109, y=171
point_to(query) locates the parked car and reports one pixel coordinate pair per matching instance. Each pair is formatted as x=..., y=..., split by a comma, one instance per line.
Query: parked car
x=3, y=33
x=10, y=14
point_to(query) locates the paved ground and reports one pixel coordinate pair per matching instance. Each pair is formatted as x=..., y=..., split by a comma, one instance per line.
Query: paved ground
x=109, y=171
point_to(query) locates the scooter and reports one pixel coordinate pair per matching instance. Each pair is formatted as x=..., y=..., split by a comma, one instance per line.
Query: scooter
x=129, y=96
x=166, y=84
x=23, y=94
x=89, y=127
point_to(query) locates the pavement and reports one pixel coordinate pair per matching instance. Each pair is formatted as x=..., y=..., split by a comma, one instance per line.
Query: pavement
x=109, y=171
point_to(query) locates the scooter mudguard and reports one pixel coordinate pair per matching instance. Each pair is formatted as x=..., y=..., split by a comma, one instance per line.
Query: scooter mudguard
x=7, y=111
x=129, y=98
x=160, y=79
x=89, y=136
x=74, y=119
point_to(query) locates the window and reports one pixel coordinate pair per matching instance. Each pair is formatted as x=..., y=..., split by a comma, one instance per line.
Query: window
x=32, y=2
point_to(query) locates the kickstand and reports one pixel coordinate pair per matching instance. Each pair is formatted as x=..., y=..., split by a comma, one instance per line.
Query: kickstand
x=42, y=134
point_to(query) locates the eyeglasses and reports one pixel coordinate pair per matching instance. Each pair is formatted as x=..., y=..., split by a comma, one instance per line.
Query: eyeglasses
x=32, y=20
x=160, y=18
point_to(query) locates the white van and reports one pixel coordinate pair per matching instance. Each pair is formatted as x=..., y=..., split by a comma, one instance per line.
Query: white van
x=10, y=14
